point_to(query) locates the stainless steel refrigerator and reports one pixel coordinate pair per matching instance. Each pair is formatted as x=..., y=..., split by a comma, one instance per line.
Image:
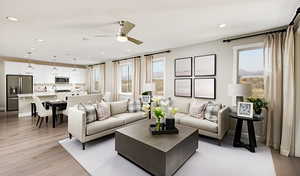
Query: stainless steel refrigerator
x=17, y=84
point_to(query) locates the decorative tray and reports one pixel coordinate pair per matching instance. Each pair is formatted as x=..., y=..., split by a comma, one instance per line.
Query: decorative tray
x=162, y=130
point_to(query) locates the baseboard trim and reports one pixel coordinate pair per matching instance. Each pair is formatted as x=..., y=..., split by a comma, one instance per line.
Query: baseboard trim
x=2, y=109
x=25, y=114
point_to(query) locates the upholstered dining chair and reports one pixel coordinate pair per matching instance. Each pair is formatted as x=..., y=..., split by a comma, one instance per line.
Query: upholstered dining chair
x=42, y=112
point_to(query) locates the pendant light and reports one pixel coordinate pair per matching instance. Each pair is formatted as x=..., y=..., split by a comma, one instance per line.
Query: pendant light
x=29, y=68
x=74, y=68
x=54, y=68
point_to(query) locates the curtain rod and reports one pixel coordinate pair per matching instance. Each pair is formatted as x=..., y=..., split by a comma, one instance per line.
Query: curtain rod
x=96, y=64
x=126, y=59
x=297, y=13
x=253, y=35
x=264, y=33
x=168, y=51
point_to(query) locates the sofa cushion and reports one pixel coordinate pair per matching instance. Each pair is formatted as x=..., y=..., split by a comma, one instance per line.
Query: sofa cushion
x=130, y=117
x=182, y=105
x=118, y=107
x=90, y=110
x=103, y=125
x=197, y=109
x=103, y=110
x=199, y=124
x=211, y=112
x=180, y=115
x=134, y=106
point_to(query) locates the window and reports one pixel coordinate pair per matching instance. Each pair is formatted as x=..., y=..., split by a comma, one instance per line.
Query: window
x=126, y=77
x=251, y=69
x=158, y=76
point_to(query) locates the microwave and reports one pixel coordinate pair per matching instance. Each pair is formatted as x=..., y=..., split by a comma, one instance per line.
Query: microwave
x=61, y=80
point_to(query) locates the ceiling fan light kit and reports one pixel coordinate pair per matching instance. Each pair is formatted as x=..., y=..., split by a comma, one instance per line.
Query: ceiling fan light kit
x=122, y=36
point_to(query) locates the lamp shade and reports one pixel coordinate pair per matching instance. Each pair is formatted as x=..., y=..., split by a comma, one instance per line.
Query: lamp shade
x=239, y=90
x=149, y=87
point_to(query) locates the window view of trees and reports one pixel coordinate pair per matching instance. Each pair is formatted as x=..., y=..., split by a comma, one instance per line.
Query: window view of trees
x=251, y=70
x=158, y=66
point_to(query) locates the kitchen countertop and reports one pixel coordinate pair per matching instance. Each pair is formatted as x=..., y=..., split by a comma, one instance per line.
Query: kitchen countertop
x=44, y=94
x=39, y=94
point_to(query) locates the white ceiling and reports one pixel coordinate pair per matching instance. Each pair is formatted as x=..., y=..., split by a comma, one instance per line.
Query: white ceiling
x=160, y=24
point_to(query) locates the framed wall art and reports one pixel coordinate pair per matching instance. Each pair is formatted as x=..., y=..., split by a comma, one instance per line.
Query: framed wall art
x=205, y=65
x=245, y=109
x=183, y=87
x=205, y=88
x=183, y=67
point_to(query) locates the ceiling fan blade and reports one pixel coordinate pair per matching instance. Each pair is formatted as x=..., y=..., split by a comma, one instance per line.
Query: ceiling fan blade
x=126, y=27
x=104, y=35
x=134, y=40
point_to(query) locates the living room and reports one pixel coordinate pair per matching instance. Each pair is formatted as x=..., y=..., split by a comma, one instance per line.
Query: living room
x=136, y=88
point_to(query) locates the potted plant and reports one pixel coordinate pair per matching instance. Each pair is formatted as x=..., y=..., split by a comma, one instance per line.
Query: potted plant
x=258, y=104
x=159, y=114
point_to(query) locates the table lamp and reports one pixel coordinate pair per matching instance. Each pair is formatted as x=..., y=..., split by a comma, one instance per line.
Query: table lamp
x=239, y=91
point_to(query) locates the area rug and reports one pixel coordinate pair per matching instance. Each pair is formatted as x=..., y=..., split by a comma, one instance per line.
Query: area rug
x=100, y=158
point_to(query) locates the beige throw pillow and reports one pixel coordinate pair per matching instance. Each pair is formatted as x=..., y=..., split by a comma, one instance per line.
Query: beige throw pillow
x=119, y=107
x=90, y=110
x=103, y=111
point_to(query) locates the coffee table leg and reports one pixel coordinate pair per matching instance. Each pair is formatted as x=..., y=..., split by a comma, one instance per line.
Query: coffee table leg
x=252, y=138
x=238, y=132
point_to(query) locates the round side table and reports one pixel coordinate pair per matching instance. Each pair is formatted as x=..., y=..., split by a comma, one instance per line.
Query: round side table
x=251, y=132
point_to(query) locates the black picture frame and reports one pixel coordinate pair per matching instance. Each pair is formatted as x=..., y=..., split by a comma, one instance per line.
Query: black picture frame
x=214, y=66
x=214, y=88
x=175, y=83
x=175, y=63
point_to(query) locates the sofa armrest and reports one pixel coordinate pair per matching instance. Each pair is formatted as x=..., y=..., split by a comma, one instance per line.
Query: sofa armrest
x=77, y=123
x=223, y=121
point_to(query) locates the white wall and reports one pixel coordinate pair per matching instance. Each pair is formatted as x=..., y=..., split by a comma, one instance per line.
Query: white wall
x=297, y=70
x=2, y=86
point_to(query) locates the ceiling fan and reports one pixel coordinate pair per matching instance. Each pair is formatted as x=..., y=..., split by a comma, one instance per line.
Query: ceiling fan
x=122, y=35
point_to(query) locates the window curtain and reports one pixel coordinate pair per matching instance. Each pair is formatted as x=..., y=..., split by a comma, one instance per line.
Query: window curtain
x=280, y=91
x=115, y=81
x=102, y=78
x=136, y=78
x=148, y=61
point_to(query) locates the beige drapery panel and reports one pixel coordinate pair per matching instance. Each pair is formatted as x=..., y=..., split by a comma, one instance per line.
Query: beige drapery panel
x=148, y=62
x=102, y=78
x=115, y=82
x=279, y=90
x=136, y=78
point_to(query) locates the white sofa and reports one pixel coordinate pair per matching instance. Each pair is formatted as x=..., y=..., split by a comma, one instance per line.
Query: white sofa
x=78, y=128
x=205, y=127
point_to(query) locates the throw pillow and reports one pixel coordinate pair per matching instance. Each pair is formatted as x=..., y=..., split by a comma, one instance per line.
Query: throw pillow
x=134, y=106
x=201, y=113
x=212, y=110
x=118, y=107
x=103, y=111
x=90, y=110
x=195, y=108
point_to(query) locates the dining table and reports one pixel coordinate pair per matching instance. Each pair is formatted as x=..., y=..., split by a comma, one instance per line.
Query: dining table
x=56, y=106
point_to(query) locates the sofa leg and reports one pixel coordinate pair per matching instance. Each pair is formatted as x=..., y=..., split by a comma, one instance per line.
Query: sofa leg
x=83, y=146
x=70, y=135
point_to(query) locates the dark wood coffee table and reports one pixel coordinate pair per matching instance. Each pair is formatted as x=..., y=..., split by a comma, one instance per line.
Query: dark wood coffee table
x=160, y=155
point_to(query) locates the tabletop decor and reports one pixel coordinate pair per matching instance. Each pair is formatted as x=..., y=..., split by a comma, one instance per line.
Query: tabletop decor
x=258, y=104
x=245, y=109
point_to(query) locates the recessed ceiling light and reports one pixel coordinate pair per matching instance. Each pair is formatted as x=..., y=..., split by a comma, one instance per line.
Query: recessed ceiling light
x=32, y=48
x=14, y=19
x=128, y=50
x=39, y=40
x=222, y=25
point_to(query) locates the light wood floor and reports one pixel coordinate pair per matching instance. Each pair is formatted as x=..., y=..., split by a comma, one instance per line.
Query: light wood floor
x=26, y=150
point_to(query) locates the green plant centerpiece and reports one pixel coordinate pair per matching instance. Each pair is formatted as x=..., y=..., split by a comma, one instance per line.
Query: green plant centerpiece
x=258, y=104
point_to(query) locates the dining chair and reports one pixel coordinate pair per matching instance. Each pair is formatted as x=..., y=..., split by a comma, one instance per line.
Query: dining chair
x=42, y=112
